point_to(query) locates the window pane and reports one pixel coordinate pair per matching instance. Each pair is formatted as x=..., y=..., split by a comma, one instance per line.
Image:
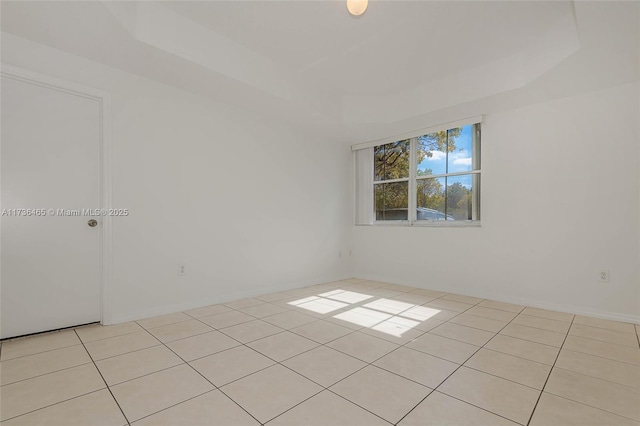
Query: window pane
x=449, y=198
x=431, y=199
x=391, y=200
x=432, y=154
x=443, y=152
x=460, y=197
x=460, y=149
x=392, y=160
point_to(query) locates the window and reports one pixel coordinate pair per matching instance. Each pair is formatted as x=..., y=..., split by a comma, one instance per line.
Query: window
x=391, y=180
x=433, y=178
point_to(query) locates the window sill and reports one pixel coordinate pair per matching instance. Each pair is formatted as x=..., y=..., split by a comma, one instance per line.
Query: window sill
x=449, y=224
x=427, y=224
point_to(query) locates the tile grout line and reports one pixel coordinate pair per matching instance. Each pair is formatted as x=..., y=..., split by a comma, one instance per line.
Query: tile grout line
x=535, y=407
x=174, y=405
x=275, y=363
x=609, y=329
x=126, y=353
x=99, y=325
x=472, y=368
x=359, y=406
x=628, y=335
x=118, y=335
x=221, y=330
x=160, y=343
x=240, y=343
x=324, y=388
x=465, y=402
x=148, y=329
x=367, y=364
x=191, y=317
x=602, y=357
x=45, y=374
x=544, y=318
x=55, y=403
x=602, y=327
x=529, y=340
x=42, y=352
x=205, y=378
x=351, y=307
x=458, y=368
x=480, y=305
x=594, y=408
x=322, y=318
x=63, y=369
x=603, y=341
x=327, y=388
x=404, y=345
x=503, y=378
x=144, y=375
x=301, y=402
x=446, y=337
x=519, y=357
x=163, y=343
x=564, y=333
x=597, y=378
x=540, y=328
x=353, y=331
x=102, y=377
x=328, y=341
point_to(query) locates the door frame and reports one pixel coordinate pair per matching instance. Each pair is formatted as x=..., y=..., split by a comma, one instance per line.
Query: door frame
x=104, y=101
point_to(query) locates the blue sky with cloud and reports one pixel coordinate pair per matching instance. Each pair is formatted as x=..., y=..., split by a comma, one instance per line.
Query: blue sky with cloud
x=458, y=160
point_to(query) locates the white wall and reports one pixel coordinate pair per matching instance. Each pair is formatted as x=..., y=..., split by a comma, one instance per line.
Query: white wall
x=560, y=201
x=249, y=205
x=252, y=206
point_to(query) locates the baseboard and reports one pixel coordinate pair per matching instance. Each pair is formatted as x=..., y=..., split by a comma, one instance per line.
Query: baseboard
x=221, y=298
x=534, y=303
x=228, y=297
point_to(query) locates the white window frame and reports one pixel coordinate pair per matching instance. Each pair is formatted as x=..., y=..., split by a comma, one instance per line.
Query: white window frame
x=382, y=182
x=413, y=177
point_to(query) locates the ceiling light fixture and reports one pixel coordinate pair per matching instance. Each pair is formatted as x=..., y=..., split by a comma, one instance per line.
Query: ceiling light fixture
x=357, y=7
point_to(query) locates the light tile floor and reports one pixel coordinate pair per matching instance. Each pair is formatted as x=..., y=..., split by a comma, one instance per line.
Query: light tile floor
x=351, y=352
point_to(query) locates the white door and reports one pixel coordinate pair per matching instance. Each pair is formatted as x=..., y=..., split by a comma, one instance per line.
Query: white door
x=50, y=160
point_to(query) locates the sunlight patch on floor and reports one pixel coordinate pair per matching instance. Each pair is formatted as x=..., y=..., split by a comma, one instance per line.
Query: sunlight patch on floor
x=390, y=306
x=388, y=316
x=318, y=304
x=363, y=317
x=346, y=296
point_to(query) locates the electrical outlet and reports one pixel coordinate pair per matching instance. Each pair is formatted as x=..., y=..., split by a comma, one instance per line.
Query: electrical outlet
x=603, y=276
x=340, y=254
x=182, y=269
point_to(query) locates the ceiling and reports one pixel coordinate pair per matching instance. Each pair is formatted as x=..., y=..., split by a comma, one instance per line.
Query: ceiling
x=401, y=64
x=396, y=46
